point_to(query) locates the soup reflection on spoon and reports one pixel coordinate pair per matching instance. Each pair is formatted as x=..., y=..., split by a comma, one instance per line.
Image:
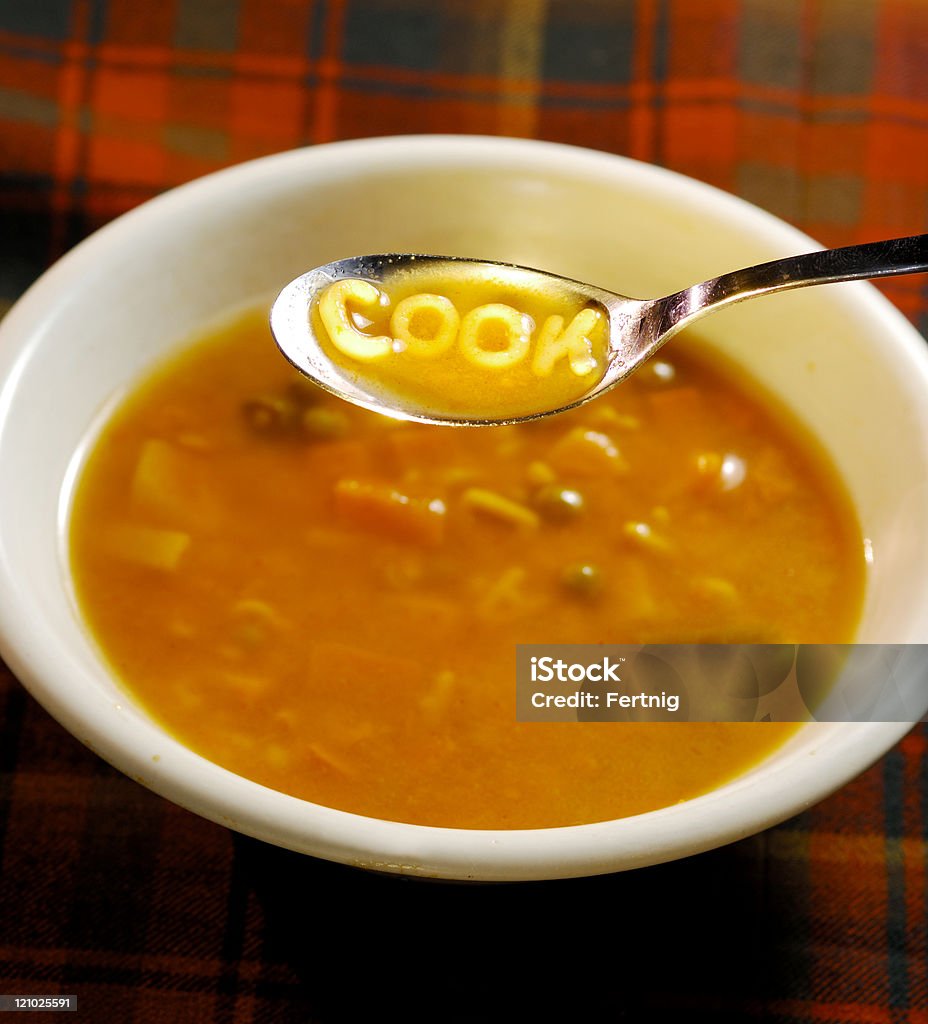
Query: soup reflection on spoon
x=466, y=342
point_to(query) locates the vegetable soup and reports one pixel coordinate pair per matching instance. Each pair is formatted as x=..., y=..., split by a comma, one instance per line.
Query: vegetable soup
x=327, y=601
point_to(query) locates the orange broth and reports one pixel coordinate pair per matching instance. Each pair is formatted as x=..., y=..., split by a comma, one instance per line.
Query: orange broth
x=327, y=601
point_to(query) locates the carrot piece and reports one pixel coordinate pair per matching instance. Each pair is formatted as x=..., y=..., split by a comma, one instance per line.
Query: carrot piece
x=382, y=509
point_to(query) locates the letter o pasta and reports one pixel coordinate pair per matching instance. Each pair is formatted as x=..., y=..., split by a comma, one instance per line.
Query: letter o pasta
x=430, y=309
x=518, y=333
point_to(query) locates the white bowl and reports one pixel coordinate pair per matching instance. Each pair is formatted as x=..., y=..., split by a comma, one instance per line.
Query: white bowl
x=847, y=362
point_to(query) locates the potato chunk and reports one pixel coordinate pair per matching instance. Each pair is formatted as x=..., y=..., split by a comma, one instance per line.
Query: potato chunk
x=144, y=545
x=587, y=453
x=168, y=484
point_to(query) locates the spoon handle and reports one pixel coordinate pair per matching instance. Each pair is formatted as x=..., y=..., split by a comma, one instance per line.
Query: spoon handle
x=850, y=263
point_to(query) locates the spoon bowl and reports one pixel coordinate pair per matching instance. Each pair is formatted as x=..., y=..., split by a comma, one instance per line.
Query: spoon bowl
x=636, y=328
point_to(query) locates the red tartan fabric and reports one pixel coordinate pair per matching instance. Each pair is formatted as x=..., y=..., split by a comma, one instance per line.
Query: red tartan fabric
x=814, y=109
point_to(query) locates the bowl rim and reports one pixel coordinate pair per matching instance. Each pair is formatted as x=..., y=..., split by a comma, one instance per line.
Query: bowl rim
x=125, y=737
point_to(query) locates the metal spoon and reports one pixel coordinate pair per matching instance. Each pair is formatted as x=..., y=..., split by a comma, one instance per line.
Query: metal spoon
x=637, y=327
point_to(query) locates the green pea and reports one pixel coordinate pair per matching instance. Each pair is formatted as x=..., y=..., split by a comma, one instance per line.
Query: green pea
x=270, y=415
x=583, y=581
x=558, y=504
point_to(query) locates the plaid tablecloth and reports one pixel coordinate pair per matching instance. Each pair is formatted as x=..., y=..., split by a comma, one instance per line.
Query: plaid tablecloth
x=814, y=109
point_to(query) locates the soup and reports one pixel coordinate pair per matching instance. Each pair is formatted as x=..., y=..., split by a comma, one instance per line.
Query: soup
x=327, y=601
